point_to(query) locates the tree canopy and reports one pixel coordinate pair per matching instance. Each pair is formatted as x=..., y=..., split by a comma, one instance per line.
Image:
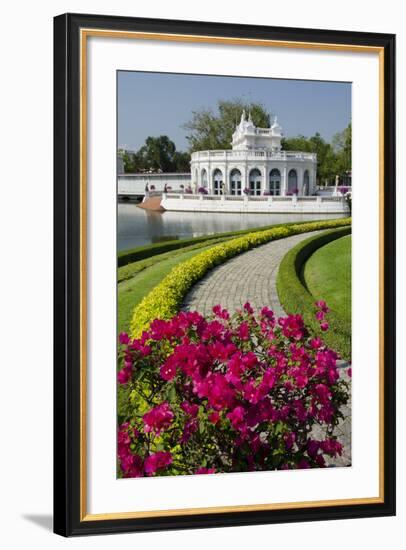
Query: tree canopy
x=213, y=130
x=332, y=158
x=158, y=154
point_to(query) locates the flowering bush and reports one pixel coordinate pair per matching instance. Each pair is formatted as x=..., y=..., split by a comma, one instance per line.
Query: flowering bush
x=202, y=190
x=164, y=300
x=229, y=393
x=246, y=191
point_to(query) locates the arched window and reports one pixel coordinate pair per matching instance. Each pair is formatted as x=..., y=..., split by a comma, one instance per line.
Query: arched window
x=218, y=185
x=255, y=180
x=275, y=182
x=292, y=182
x=306, y=182
x=204, y=178
x=235, y=182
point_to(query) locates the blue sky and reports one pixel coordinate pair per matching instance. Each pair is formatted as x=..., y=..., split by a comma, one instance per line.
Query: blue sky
x=153, y=104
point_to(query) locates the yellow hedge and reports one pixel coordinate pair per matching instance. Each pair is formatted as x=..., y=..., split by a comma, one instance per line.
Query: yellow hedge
x=165, y=299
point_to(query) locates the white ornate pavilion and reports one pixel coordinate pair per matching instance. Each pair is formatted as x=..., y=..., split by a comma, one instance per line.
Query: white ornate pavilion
x=255, y=165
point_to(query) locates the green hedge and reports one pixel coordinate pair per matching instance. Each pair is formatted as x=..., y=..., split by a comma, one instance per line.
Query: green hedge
x=142, y=252
x=295, y=298
x=130, y=270
x=165, y=299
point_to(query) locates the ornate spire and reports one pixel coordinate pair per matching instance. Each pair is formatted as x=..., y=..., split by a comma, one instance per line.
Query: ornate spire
x=242, y=116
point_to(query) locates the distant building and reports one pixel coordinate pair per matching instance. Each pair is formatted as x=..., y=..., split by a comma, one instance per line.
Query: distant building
x=256, y=164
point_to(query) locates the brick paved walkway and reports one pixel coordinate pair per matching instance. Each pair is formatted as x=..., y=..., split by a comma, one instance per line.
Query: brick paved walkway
x=251, y=277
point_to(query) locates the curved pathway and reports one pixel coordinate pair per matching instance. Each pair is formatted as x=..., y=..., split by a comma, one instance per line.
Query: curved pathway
x=249, y=277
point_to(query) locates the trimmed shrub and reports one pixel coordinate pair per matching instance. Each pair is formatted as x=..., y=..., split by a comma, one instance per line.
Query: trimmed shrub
x=295, y=298
x=146, y=251
x=165, y=299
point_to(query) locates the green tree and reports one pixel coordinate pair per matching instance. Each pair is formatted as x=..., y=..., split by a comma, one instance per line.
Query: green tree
x=128, y=161
x=158, y=154
x=342, y=144
x=181, y=161
x=213, y=130
x=327, y=161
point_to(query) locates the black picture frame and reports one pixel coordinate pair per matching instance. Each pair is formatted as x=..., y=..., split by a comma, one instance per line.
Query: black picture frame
x=68, y=520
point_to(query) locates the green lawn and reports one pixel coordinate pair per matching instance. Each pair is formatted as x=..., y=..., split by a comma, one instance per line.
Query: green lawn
x=128, y=271
x=132, y=291
x=327, y=274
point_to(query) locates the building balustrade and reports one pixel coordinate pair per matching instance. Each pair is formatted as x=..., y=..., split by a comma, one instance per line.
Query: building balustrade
x=234, y=155
x=254, y=198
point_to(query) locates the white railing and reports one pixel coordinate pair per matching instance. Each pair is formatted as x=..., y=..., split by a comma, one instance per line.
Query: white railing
x=253, y=154
x=255, y=198
x=251, y=203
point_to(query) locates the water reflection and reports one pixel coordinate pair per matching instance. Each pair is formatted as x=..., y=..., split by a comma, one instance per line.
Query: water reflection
x=137, y=226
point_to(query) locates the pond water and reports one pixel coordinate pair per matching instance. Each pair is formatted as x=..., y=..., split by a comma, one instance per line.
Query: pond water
x=137, y=227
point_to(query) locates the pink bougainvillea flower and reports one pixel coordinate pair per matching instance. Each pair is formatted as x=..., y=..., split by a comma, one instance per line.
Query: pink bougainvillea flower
x=168, y=369
x=205, y=471
x=332, y=447
x=268, y=379
x=191, y=426
x=220, y=312
x=124, y=375
x=323, y=393
x=221, y=351
x=157, y=461
x=321, y=304
x=324, y=326
x=320, y=315
x=268, y=313
x=243, y=331
x=220, y=394
x=214, y=417
x=316, y=343
x=158, y=419
x=292, y=326
x=253, y=393
x=214, y=329
x=190, y=408
x=248, y=308
x=289, y=438
x=236, y=416
x=313, y=447
x=123, y=338
x=132, y=465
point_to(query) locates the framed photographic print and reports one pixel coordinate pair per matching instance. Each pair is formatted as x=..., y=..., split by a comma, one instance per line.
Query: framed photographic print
x=224, y=295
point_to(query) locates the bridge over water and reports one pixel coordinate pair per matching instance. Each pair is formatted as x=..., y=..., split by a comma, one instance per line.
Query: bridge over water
x=133, y=185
